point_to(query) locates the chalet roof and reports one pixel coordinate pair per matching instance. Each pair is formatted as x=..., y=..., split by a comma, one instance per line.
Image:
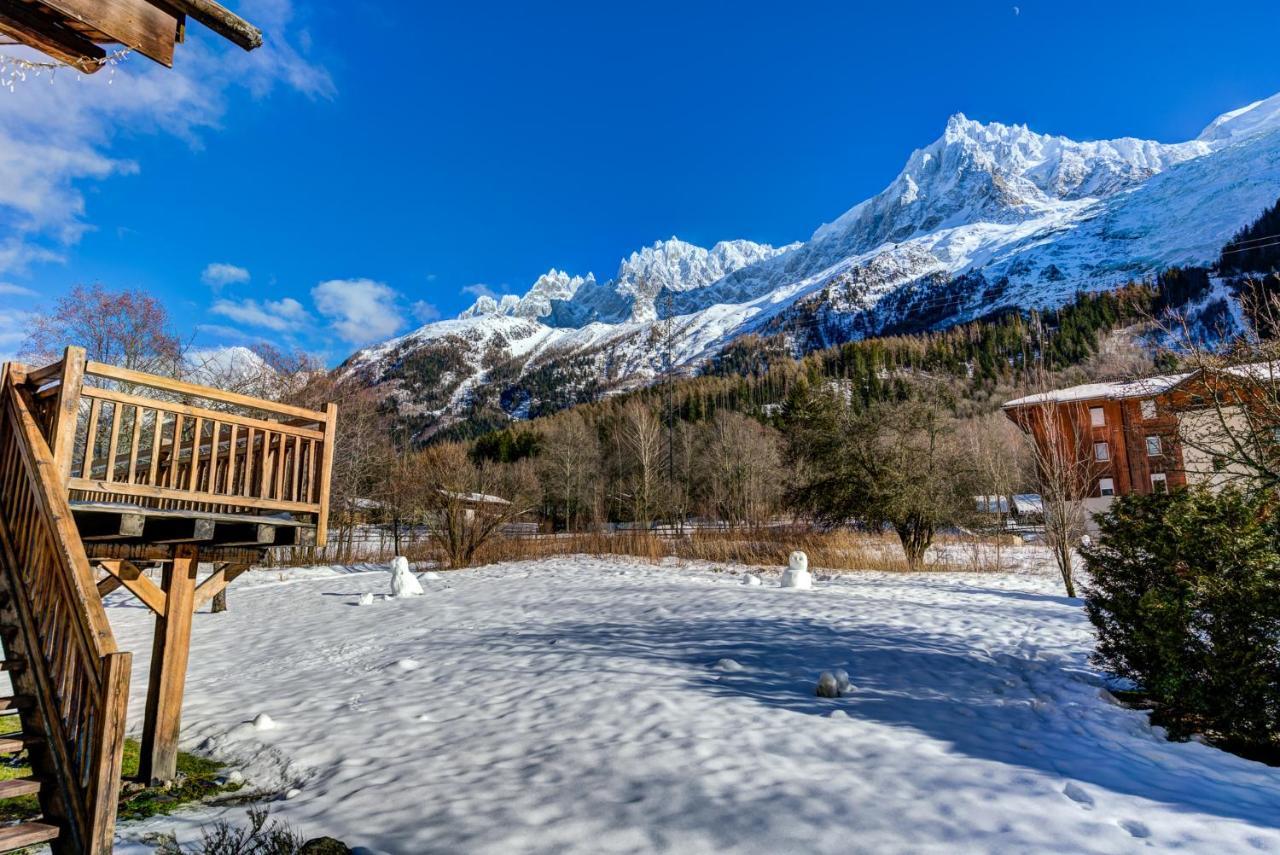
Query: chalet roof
x=476, y=498
x=1143, y=388
x=73, y=31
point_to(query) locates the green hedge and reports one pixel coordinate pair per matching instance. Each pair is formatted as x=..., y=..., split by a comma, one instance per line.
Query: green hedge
x=1185, y=598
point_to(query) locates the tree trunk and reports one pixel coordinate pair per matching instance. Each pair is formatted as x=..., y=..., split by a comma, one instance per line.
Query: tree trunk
x=916, y=537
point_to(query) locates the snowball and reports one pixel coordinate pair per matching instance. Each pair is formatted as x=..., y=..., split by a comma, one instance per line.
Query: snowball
x=366, y=599
x=262, y=721
x=728, y=665
x=842, y=681
x=827, y=686
x=407, y=664
x=751, y=579
x=837, y=714
x=797, y=573
x=293, y=793
x=403, y=582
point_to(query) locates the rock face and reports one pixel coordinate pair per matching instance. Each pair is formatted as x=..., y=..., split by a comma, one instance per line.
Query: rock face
x=797, y=573
x=986, y=217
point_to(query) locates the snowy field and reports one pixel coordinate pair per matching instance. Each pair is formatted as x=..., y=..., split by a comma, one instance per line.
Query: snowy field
x=584, y=705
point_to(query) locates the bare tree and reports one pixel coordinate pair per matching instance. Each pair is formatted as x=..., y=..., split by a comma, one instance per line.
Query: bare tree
x=639, y=437
x=125, y=328
x=741, y=473
x=569, y=466
x=470, y=503
x=1062, y=454
x=1001, y=465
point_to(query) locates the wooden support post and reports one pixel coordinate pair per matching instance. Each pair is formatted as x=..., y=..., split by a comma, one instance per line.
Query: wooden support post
x=326, y=469
x=66, y=410
x=169, y=651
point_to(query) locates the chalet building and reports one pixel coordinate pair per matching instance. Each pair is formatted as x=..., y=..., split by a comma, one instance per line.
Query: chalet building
x=1118, y=438
x=1150, y=435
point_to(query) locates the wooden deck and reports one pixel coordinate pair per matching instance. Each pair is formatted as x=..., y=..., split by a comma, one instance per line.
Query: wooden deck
x=149, y=461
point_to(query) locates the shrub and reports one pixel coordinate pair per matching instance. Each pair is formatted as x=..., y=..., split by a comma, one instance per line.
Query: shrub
x=1185, y=598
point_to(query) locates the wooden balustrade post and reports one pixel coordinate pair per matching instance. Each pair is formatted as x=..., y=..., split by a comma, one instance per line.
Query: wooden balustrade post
x=170, y=649
x=66, y=410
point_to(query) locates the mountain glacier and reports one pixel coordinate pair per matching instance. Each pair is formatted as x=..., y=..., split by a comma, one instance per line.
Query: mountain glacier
x=988, y=216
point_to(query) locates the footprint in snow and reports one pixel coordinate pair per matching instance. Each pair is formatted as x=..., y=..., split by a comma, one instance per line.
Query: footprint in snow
x=1077, y=794
x=1135, y=828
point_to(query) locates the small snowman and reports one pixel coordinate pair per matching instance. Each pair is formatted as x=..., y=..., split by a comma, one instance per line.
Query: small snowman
x=797, y=573
x=403, y=582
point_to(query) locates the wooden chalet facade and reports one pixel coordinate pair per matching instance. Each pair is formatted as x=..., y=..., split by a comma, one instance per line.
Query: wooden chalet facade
x=1152, y=435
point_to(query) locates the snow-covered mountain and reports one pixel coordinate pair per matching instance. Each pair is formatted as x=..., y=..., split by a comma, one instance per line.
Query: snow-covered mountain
x=987, y=216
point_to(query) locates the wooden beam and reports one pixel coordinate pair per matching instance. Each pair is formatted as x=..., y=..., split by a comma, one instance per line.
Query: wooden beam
x=137, y=582
x=216, y=582
x=66, y=409
x=151, y=381
x=326, y=470
x=136, y=24
x=123, y=526
x=245, y=534
x=170, y=650
x=231, y=27
x=107, y=584
x=48, y=36
x=197, y=530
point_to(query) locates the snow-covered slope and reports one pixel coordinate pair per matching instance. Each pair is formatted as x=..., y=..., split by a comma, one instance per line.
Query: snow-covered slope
x=987, y=216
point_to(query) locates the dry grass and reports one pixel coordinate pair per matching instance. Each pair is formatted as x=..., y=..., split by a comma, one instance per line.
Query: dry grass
x=768, y=547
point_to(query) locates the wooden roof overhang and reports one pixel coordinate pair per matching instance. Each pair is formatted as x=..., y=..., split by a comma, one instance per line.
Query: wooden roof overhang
x=74, y=31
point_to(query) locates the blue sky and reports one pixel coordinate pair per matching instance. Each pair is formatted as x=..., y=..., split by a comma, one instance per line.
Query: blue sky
x=378, y=163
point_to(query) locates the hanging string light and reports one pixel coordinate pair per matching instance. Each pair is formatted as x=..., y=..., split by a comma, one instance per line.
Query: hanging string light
x=15, y=70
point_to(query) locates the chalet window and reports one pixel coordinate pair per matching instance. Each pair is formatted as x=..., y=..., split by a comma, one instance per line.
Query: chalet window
x=1159, y=483
x=1148, y=408
x=1097, y=417
x=1153, y=446
x=1101, y=451
x=1106, y=487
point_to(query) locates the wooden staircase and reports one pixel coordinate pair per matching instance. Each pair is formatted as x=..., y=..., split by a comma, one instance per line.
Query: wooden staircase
x=70, y=686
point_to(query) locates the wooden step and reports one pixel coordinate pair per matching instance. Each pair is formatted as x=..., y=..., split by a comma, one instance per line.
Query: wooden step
x=14, y=663
x=15, y=787
x=16, y=702
x=26, y=834
x=12, y=743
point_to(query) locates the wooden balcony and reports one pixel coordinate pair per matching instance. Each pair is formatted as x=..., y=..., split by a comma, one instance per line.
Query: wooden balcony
x=149, y=461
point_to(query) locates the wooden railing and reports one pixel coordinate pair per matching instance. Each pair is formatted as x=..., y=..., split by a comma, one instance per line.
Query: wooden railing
x=182, y=445
x=79, y=679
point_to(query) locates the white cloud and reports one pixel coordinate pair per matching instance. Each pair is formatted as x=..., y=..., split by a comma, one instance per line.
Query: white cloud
x=278, y=315
x=56, y=138
x=218, y=274
x=425, y=312
x=8, y=289
x=360, y=310
x=13, y=331
x=480, y=290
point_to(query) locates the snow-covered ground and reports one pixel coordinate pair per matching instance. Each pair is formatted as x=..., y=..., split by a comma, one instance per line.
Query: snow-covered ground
x=583, y=705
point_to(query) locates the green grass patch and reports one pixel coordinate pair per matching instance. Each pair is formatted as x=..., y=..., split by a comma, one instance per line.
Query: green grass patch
x=197, y=780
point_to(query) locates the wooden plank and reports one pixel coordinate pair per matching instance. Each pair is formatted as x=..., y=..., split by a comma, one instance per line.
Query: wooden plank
x=14, y=787
x=170, y=650
x=108, y=741
x=195, y=530
x=114, y=442
x=137, y=582
x=231, y=27
x=125, y=375
x=326, y=469
x=118, y=526
x=26, y=834
x=246, y=534
x=157, y=434
x=107, y=584
x=137, y=24
x=195, y=412
x=216, y=582
x=66, y=409
x=82, y=507
x=193, y=471
x=40, y=32
x=131, y=475
x=90, y=439
x=146, y=490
